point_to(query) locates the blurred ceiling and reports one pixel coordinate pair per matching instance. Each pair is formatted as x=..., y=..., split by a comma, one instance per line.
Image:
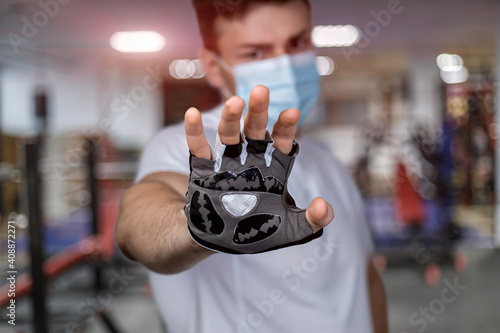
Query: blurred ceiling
x=81, y=29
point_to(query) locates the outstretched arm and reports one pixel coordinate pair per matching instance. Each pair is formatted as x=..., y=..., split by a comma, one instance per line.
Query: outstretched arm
x=152, y=226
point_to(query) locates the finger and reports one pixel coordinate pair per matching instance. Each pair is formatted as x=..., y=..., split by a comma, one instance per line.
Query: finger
x=229, y=125
x=256, y=117
x=196, y=140
x=284, y=130
x=319, y=214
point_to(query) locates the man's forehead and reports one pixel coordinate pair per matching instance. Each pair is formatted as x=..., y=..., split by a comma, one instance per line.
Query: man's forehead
x=264, y=24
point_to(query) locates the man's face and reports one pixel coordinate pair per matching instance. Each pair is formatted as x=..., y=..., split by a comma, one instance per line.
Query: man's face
x=266, y=31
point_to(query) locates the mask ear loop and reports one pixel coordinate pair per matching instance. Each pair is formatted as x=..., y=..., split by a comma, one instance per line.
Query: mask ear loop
x=226, y=93
x=221, y=62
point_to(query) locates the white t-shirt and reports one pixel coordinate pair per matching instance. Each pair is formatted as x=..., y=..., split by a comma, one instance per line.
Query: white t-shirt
x=316, y=287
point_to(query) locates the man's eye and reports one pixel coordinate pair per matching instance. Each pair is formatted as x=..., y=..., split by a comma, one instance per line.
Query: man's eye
x=299, y=44
x=254, y=55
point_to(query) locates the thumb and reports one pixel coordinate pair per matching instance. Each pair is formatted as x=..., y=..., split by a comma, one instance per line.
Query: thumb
x=319, y=214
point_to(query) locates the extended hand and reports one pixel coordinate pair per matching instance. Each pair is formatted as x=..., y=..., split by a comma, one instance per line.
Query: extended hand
x=318, y=214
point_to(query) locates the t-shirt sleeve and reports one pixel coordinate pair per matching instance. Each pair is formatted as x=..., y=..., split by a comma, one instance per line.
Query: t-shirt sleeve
x=166, y=151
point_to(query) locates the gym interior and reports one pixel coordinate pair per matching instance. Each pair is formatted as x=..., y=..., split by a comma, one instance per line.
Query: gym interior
x=409, y=105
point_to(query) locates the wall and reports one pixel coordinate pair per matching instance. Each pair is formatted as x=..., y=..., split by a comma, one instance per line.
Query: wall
x=83, y=98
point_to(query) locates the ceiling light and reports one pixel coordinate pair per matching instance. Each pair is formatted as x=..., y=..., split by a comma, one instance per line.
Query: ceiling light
x=137, y=41
x=456, y=76
x=335, y=36
x=449, y=62
x=325, y=65
x=185, y=69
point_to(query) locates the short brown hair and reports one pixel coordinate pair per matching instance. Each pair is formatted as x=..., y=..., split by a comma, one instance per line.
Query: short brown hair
x=207, y=11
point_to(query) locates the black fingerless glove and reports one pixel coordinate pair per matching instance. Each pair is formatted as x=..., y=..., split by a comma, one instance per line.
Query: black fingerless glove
x=238, y=203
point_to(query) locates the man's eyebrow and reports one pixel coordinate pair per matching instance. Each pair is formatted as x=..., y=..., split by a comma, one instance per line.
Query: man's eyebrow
x=254, y=45
x=305, y=31
x=301, y=33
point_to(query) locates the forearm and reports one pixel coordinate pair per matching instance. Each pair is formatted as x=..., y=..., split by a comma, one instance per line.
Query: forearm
x=152, y=229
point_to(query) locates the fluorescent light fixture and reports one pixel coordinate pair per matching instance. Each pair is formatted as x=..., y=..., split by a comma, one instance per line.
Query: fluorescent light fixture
x=456, y=76
x=181, y=69
x=335, y=35
x=325, y=65
x=137, y=41
x=449, y=62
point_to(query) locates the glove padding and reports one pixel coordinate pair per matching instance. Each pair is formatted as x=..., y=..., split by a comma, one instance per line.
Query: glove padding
x=244, y=207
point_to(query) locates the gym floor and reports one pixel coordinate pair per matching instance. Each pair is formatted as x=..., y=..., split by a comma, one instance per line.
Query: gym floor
x=466, y=302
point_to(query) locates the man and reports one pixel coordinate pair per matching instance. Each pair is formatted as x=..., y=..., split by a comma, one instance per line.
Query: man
x=324, y=285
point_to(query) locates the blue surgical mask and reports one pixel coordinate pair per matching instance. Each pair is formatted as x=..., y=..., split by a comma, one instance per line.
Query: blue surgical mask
x=292, y=80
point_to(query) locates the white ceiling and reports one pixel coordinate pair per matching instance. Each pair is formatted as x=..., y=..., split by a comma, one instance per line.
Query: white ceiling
x=81, y=28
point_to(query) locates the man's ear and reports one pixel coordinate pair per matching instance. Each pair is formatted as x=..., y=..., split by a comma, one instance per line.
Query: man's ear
x=213, y=70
